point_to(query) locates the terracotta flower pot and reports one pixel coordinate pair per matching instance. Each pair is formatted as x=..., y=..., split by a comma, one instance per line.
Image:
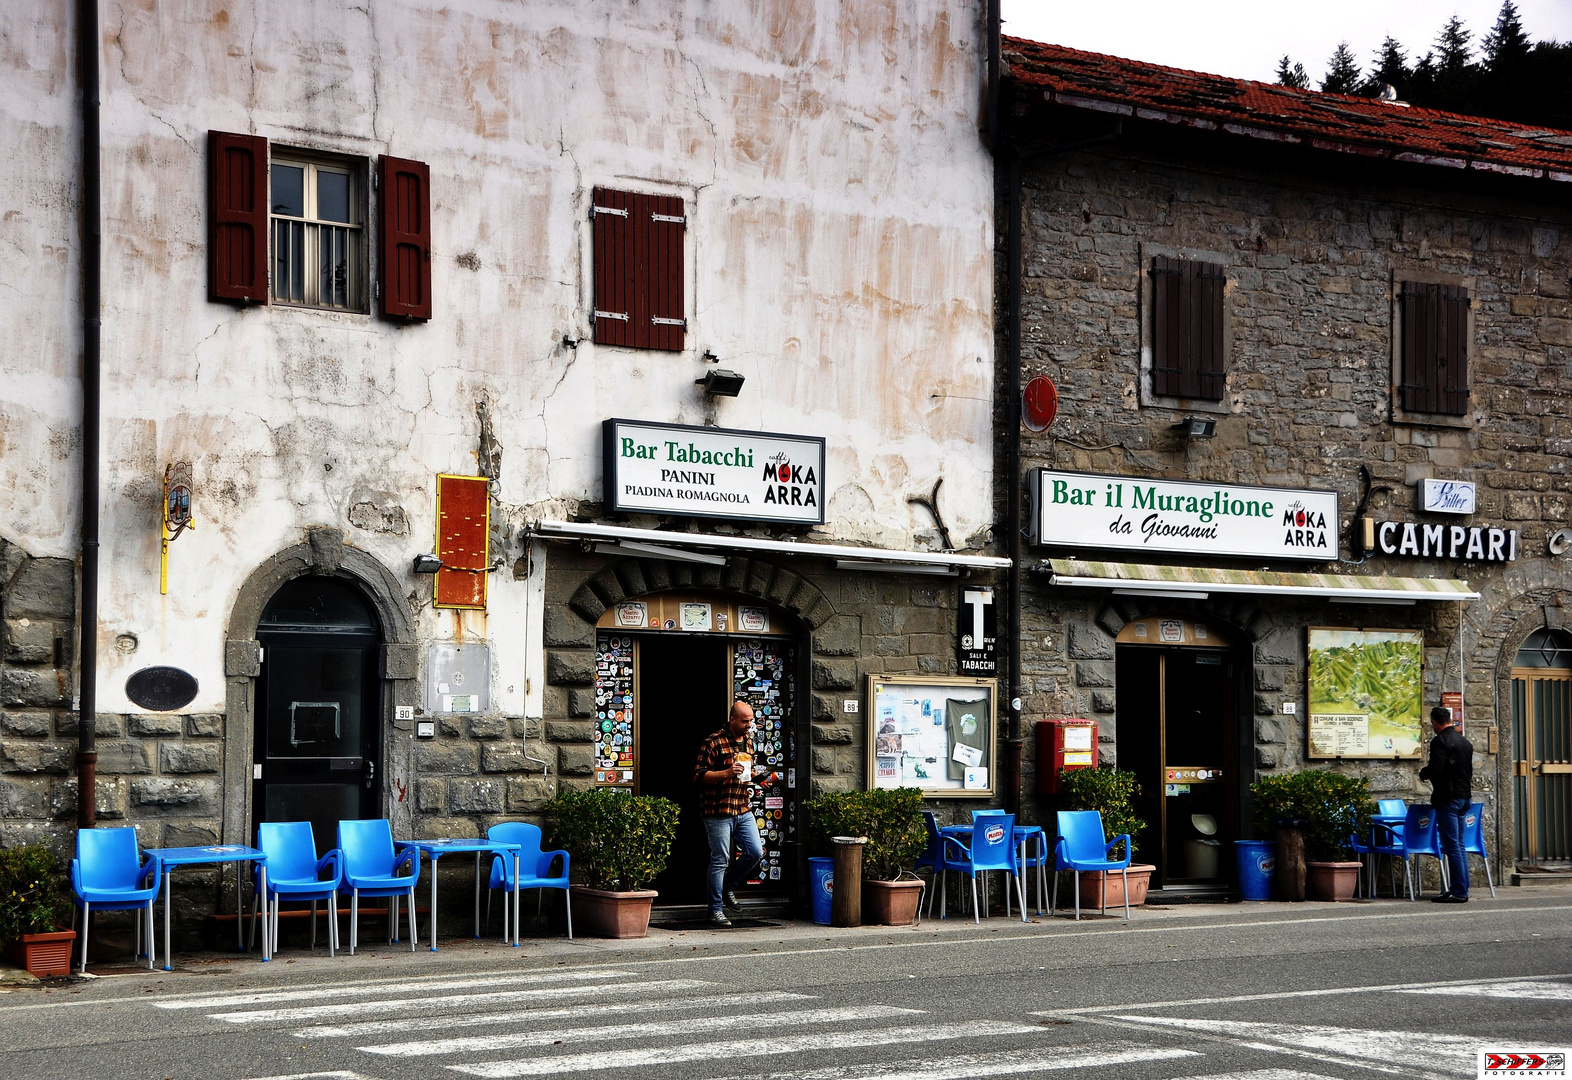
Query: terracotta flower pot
x=890, y=903
x=46, y=954
x=1092, y=887
x=1331, y=880
x=613, y=914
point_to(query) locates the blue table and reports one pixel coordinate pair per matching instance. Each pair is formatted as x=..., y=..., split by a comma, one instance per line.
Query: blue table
x=169, y=858
x=1389, y=827
x=1020, y=833
x=435, y=849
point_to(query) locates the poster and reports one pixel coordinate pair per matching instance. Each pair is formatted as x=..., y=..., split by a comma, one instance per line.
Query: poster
x=931, y=732
x=1366, y=693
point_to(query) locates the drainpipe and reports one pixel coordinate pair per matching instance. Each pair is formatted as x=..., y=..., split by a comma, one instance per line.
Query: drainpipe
x=87, y=707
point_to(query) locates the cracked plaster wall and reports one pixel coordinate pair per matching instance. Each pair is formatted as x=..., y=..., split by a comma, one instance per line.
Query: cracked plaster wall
x=838, y=250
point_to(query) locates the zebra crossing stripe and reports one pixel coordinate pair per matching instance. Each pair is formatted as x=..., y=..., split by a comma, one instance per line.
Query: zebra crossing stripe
x=655, y=1057
x=1006, y=1063
x=692, y=1026
x=1346, y=1044
x=592, y=1011
x=417, y=1004
x=1538, y=991
x=361, y=989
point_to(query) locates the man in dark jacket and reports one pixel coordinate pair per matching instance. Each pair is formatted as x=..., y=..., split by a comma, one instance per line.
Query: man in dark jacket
x=1451, y=776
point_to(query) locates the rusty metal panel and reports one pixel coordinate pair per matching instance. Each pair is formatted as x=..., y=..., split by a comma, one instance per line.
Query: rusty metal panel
x=463, y=541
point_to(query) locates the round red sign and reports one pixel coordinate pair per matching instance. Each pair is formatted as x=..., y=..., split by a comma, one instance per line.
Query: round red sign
x=1039, y=403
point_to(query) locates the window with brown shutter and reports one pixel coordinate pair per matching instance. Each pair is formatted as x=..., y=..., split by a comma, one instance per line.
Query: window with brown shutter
x=1435, y=348
x=639, y=298
x=405, y=199
x=1187, y=329
x=237, y=218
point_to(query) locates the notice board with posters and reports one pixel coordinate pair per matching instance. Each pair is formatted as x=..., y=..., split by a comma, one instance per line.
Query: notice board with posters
x=936, y=733
x=1366, y=693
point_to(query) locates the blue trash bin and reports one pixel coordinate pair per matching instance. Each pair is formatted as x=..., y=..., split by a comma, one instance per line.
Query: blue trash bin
x=821, y=877
x=1257, y=859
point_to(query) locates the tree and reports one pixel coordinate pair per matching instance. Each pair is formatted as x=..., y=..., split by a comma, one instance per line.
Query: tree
x=1342, y=73
x=1292, y=74
x=1391, y=69
x=1507, y=44
x=1452, y=49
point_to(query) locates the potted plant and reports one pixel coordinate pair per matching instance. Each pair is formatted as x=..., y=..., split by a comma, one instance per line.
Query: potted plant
x=891, y=819
x=619, y=843
x=1331, y=808
x=1112, y=794
x=34, y=901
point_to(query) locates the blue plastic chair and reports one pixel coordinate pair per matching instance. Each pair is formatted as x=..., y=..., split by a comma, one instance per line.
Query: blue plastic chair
x=1082, y=848
x=930, y=854
x=989, y=850
x=371, y=870
x=1037, y=858
x=108, y=874
x=1420, y=836
x=1391, y=807
x=1474, y=840
x=534, y=869
x=294, y=873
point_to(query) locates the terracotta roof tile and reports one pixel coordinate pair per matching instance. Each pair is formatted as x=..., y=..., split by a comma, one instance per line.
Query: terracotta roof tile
x=1335, y=122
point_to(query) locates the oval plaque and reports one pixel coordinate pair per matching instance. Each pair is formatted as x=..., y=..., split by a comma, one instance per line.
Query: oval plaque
x=161, y=689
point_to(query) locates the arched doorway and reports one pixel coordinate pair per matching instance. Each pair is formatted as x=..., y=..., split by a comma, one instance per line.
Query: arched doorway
x=1178, y=696
x=1542, y=748
x=667, y=667
x=318, y=726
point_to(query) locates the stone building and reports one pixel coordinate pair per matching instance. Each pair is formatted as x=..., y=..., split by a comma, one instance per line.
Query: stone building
x=373, y=282
x=1356, y=315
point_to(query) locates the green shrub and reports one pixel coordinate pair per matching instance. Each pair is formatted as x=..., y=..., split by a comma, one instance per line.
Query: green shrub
x=34, y=897
x=618, y=841
x=1332, y=806
x=1111, y=793
x=891, y=819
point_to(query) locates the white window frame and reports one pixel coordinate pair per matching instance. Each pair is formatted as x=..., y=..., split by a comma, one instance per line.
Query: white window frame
x=310, y=232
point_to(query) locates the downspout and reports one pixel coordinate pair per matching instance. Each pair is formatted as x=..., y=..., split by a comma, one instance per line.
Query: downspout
x=87, y=701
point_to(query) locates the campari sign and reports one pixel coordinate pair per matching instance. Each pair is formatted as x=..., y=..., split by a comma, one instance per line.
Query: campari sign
x=1180, y=517
x=713, y=472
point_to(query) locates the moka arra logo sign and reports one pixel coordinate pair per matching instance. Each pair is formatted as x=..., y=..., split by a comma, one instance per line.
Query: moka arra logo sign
x=713, y=472
x=1183, y=517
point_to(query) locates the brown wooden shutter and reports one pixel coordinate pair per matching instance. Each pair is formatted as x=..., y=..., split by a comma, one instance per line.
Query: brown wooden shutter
x=1187, y=329
x=639, y=297
x=237, y=242
x=1435, y=348
x=405, y=270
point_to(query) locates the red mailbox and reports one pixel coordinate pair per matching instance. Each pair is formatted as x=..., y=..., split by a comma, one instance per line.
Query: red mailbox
x=1063, y=744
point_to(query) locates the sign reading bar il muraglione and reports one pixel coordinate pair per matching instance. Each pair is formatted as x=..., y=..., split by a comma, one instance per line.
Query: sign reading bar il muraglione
x=1181, y=517
x=713, y=472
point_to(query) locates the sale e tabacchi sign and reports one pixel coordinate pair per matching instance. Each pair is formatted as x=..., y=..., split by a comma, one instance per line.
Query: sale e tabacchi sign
x=1183, y=517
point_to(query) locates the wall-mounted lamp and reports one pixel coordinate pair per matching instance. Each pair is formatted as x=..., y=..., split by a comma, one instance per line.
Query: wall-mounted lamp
x=427, y=564
x=721, y=382
x=1196, y=427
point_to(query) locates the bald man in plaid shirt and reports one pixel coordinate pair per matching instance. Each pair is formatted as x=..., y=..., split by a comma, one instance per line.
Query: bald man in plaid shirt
x=723, y=800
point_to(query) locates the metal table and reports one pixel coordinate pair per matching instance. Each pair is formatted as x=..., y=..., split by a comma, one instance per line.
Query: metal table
x=1019, y=835
x=169, y=858
x=435, y=849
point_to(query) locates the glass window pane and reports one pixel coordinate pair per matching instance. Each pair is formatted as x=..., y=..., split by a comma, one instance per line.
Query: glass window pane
x=332, y=196
x=289, y=190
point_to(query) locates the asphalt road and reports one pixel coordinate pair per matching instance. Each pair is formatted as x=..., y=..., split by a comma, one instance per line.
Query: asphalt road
x=1243, y=992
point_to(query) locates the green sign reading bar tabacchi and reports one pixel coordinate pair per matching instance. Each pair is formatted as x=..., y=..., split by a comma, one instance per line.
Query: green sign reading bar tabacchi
x=655, y=468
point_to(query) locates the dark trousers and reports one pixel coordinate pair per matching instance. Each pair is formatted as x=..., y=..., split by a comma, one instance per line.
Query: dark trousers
x=1449, y=821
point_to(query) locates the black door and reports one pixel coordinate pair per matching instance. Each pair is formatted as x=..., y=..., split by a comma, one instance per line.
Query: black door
x=684, y=696
x=318, y=709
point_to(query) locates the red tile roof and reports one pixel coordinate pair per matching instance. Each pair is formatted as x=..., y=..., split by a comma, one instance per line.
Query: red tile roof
x=1334, y=122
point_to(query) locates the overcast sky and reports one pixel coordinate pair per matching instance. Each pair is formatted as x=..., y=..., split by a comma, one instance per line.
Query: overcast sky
x=1245, y=38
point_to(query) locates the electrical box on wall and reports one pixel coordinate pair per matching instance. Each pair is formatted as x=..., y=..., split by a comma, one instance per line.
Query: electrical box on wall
x=458, y=679
x=1063, y=744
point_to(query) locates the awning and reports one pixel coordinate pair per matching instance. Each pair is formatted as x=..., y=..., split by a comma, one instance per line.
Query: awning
x=1198, y=581
x=655, y=543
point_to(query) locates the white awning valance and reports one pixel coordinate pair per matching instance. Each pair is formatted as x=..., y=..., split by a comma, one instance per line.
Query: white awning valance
x=1198, y=581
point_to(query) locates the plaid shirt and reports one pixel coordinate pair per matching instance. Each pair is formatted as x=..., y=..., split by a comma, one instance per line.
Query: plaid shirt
x=729, y=797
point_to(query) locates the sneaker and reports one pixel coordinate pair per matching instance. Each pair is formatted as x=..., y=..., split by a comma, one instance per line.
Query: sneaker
x=718, y=918
x=729, y=900
x=1450, y=898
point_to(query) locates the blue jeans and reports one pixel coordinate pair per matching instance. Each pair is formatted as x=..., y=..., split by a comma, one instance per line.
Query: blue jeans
x=1449, y=820
x=741, y=832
